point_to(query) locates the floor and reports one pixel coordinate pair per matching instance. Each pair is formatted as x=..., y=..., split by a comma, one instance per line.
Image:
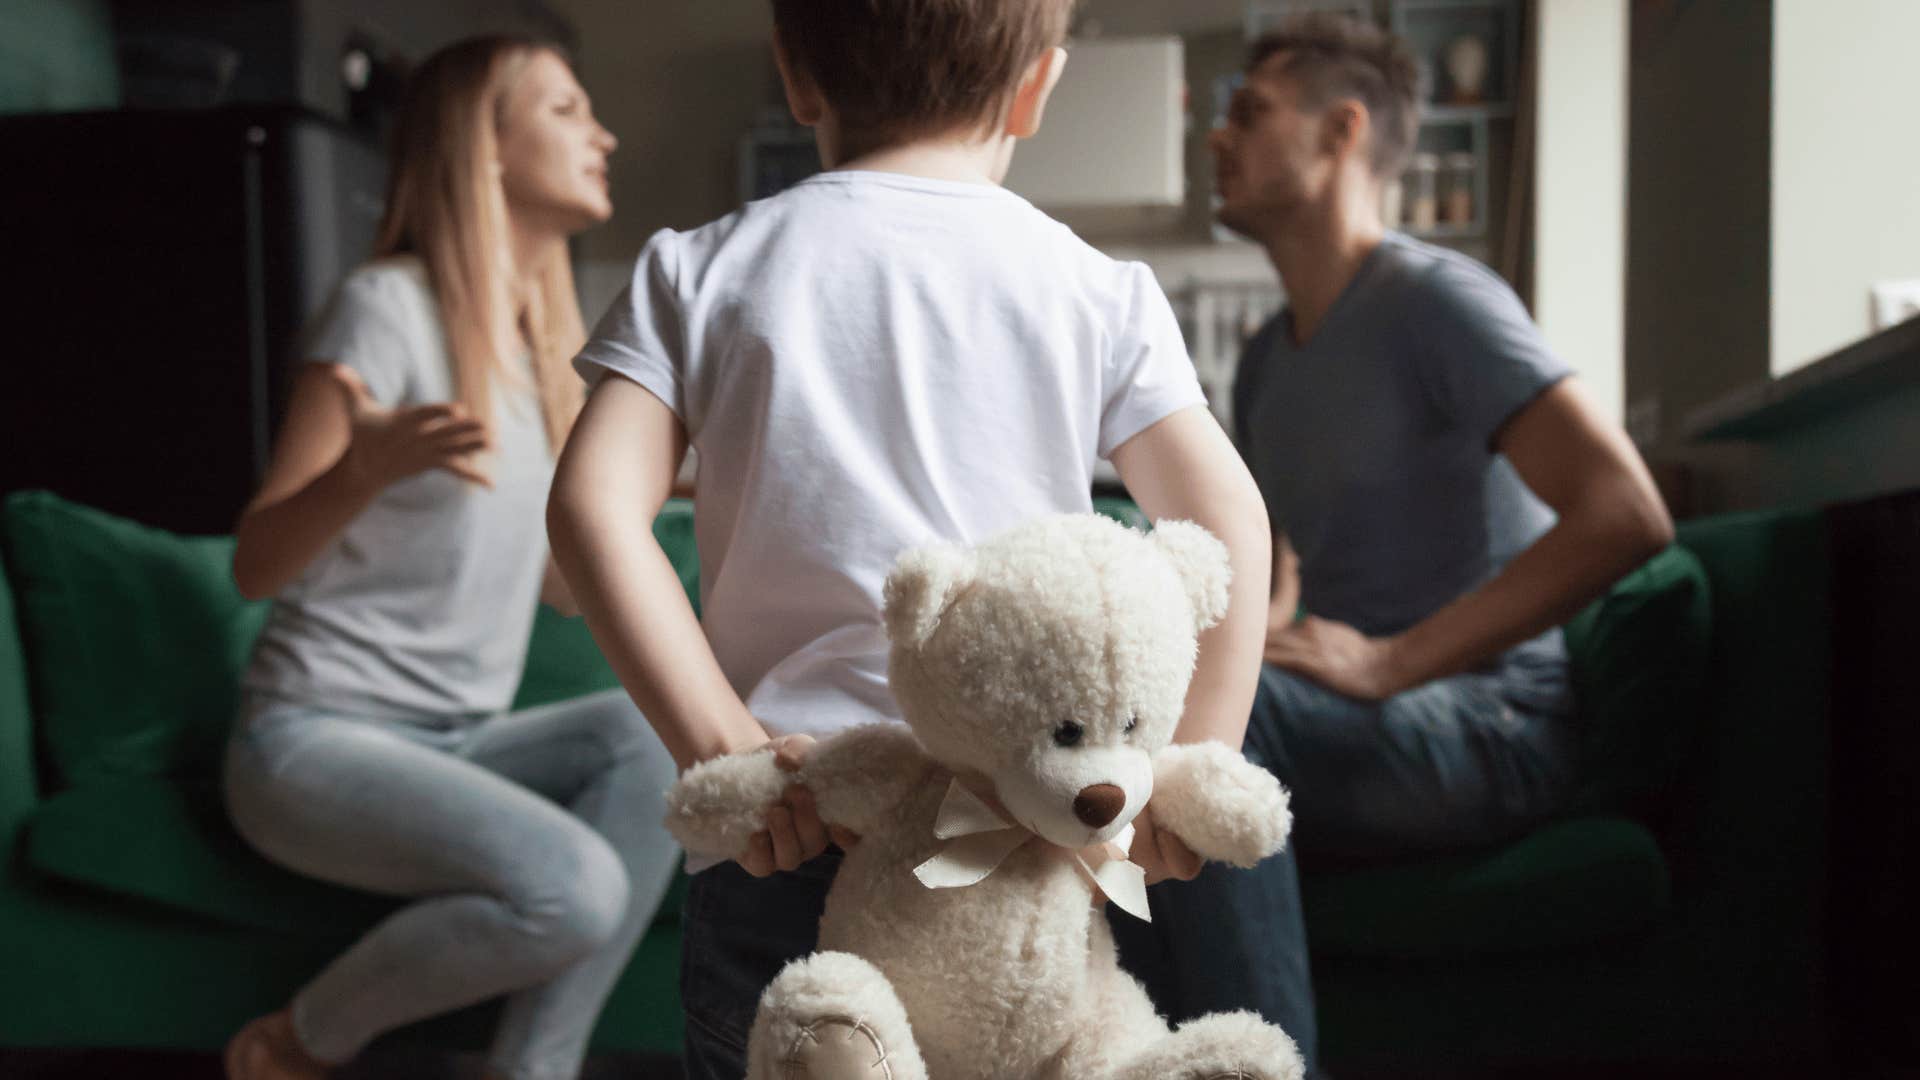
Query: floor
x=415, y=1064
x=386, y=1064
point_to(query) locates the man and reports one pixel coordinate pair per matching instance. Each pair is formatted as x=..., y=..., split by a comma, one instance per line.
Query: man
x=1443, y=497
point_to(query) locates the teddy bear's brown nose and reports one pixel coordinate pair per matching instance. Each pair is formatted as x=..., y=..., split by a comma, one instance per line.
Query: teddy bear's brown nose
x=1099, y=804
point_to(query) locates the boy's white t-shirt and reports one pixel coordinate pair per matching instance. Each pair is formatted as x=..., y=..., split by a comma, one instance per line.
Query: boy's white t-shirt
x=869, y=362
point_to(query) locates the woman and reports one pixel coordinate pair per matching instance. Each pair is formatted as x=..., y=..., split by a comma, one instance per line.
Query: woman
x=400, y=529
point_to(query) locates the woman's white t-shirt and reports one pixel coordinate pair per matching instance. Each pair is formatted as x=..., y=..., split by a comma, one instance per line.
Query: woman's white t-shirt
x=424, y=604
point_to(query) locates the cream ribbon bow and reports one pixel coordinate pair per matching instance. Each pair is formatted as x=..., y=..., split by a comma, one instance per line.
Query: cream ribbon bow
x=979, y=840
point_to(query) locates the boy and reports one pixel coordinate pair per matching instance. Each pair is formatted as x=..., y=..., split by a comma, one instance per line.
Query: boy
x=894, y=352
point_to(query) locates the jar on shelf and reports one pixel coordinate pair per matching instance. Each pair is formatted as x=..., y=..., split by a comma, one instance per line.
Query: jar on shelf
x=1457, y=202
x=1393, y=203
x=1423, y=192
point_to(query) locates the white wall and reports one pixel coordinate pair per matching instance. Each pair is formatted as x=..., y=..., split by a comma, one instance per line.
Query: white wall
x=1846, y=167
x=1581, y=201
x=679, y=81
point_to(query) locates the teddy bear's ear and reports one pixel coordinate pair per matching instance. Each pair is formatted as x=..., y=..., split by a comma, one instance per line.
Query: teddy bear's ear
x=1201, y=562
x=919, y=589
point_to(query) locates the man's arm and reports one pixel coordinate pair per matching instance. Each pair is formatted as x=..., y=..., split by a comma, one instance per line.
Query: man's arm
x=1611, y=519
x=1286, y=585
x=612, y=479
x=1185, y=468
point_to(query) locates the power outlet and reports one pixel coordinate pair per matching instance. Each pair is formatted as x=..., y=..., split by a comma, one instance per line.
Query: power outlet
x=1895, y=301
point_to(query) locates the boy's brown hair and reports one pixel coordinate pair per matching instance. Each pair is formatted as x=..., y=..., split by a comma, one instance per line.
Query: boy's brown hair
x=894, y=70
x=1333, y=56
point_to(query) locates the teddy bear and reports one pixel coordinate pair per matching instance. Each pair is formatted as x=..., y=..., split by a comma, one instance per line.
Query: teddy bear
x=1041, y=675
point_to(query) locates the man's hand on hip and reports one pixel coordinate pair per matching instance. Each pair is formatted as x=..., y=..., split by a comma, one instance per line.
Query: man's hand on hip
x=1336, y=656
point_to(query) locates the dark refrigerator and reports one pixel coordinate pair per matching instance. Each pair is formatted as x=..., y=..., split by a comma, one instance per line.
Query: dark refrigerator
x=165, y=261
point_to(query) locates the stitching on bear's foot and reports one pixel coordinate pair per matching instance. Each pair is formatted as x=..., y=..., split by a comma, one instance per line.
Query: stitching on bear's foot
x=1233, y=1074
x=792, y=1068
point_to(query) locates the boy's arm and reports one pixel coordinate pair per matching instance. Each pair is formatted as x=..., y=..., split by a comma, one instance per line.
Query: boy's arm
x=554, y=592
x=612, y=479
x=1184, y=467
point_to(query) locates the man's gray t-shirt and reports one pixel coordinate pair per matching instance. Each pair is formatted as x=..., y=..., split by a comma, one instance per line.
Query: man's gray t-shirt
x=424, y=604
x=1373, y=446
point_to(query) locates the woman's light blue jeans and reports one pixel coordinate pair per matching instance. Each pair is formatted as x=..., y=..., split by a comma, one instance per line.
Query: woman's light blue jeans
x=533, y=840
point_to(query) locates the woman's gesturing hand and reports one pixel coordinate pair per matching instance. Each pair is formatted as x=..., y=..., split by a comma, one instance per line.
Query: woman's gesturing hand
x=389, y=444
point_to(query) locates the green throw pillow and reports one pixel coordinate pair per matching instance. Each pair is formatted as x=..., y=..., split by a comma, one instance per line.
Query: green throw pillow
x=135, y=638
x=563, y=662
x=1640, y=658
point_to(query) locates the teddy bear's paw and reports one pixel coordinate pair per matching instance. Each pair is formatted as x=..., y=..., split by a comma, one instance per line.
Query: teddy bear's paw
x=836, y=1048
x=718, y=805
x=1220, y=1046
x=1224, y=807
x=832, y=1016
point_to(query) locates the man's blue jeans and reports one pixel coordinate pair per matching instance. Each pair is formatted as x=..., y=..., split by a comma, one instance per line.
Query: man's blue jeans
x=1450, y=765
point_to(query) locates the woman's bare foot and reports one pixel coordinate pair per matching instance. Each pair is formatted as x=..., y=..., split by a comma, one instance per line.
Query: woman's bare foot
x=268, y=1049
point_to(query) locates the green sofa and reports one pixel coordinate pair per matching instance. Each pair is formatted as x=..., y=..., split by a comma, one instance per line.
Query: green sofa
x=131, y=914
x=1678, y=919
x=1674, y=917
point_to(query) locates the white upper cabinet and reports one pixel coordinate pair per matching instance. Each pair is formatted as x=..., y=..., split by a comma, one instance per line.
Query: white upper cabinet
x=1113, y=134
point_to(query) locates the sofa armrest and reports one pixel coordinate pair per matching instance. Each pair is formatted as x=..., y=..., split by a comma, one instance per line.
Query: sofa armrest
x=1748, y=838
x=19, y=786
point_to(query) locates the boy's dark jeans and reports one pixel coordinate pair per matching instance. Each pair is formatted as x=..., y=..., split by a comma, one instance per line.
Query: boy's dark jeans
x=1229, y=939
x=737, y=932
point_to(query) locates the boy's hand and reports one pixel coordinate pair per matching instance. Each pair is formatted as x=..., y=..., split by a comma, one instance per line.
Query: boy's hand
x=794, y=832
x=1160, y=853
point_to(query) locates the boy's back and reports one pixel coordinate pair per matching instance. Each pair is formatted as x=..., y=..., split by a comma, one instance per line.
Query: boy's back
x=892, y=353
x=868, y=362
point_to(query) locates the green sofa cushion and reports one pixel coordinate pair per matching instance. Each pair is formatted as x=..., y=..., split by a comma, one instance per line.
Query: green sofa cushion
x=1640, y=658
x=674, y=529
x=1571, y=883
x=1123, y=510
x=135, y=638
x=562, y=662
x=168, y=842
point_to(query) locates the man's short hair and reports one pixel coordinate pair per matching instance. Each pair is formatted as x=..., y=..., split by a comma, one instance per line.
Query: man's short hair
x=1333, y=56
x=894, y=70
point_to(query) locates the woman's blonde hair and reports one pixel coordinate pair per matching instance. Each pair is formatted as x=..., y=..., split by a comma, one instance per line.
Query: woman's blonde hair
x=446, y=205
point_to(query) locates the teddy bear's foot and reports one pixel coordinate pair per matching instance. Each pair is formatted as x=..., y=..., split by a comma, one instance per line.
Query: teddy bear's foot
x=832, y=1016
x=1220, y=1046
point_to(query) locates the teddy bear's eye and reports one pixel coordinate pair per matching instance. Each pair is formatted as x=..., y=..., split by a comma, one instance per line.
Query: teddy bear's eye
x=1132, y=722
x=1068, y=734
